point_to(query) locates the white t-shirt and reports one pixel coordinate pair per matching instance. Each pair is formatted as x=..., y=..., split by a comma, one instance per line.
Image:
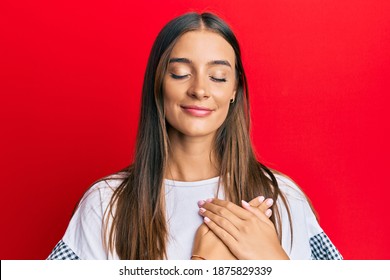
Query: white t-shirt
x=83, y=238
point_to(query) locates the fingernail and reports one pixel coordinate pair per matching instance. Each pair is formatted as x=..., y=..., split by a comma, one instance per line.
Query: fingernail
x=245, y=204
x=206, y=220
x=209, y=200
x=268, y=213
x=201, y=203
x=202, y=210
x=269, y=202
x=261, y=199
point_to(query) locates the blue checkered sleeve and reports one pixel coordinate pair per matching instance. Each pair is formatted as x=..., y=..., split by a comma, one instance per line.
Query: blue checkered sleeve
x=62, y=252
x=323, y=249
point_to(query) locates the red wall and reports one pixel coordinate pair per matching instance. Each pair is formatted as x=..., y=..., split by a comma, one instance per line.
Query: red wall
x=70, y=82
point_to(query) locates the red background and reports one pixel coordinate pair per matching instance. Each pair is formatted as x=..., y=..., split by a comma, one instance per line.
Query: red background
x=70, y=82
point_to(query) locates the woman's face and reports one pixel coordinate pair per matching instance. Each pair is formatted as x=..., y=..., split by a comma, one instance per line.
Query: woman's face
x=199, y=83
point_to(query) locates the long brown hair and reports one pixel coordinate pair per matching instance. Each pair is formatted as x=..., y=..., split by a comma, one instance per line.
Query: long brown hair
x=138, y=227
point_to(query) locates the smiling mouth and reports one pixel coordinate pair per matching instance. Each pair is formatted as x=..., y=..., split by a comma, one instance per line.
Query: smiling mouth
x=197, y=111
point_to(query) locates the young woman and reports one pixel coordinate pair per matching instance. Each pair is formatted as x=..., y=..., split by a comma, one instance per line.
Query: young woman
x=186, y=194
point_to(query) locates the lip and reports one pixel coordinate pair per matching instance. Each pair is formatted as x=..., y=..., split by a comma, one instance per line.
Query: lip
x=197, y=111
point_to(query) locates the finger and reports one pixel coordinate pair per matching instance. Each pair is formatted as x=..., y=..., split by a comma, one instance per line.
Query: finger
x=257, y=201
x=217, y=205
x=226, y=238
x=265, y=206
x=268, y=212
x=214, y=210
x=259, y=214
x=262, y=204
x=222, y=222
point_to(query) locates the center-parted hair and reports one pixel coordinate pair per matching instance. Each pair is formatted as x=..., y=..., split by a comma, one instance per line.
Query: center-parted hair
x=136, y=224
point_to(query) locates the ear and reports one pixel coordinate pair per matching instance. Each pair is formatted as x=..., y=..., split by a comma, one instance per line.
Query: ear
x=235, y=89
x=234, y=94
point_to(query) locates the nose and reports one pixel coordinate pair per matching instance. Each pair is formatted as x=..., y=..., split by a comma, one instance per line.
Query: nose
x=198, y=89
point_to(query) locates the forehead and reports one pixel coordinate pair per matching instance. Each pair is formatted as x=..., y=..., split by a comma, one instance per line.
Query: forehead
x=203, y=46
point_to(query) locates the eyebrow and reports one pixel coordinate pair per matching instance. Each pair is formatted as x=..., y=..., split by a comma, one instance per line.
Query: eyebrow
x=188, y=61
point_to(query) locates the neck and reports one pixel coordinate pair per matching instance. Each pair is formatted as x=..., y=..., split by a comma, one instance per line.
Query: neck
x=191, y=158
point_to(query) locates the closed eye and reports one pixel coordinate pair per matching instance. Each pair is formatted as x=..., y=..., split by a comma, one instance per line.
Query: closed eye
x=178, y=77
x=218, y=80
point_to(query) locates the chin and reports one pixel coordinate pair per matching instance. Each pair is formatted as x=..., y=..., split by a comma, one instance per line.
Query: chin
x=197, y=132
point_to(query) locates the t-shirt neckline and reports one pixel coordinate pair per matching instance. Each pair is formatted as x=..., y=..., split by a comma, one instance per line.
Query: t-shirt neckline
x=174, y=183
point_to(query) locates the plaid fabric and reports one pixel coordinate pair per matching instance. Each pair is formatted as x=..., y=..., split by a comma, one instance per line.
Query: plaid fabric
x=323, y=249
x=62, y=252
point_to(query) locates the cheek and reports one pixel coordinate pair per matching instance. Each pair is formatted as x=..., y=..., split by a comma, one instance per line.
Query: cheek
x=223, y=96
x=168, y=94
x=223, y=111
x=172, y=91
x=171, y=97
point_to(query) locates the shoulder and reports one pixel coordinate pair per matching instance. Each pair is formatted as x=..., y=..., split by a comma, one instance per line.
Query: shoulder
x=100, y=192
x=109, y=183
x=296, y=201
x=289, y=188
x=85, y=233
